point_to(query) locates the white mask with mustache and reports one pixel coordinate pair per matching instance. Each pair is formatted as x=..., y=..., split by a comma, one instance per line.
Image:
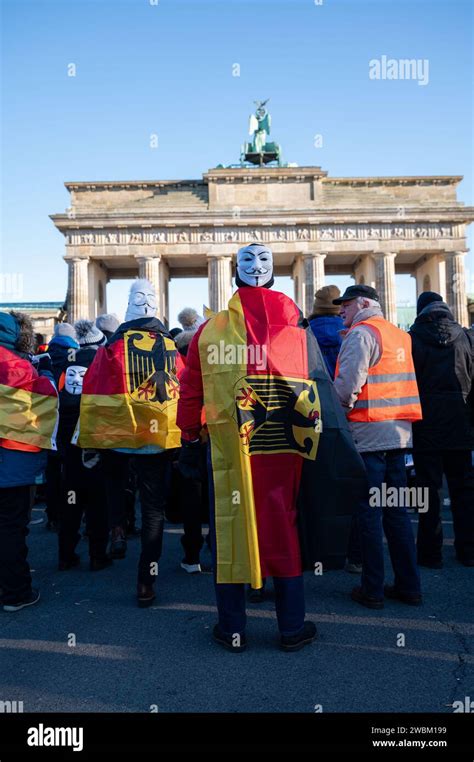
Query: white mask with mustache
x=74, y=378
x=255, y=265
x=141, y=301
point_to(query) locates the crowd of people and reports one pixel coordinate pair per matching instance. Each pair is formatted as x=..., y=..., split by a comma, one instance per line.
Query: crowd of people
x=282, y=459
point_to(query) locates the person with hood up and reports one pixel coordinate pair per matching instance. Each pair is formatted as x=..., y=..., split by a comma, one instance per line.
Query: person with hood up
x=64, y=339
x=277, y=437
x=83, y=487
x=28, y=423
x=128, y=409
x=443, y=353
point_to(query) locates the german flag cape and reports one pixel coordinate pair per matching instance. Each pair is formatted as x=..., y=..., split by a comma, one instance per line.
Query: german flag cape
x=28, y=403
x=130, y=391
x=276, y=427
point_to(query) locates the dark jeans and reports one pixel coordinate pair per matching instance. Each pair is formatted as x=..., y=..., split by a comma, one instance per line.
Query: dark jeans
x=53, y=485
x=354, y=551
x=15, y=577
x=83, y=492
x=289, y=605
x=151, y=478
x=429, y=469
x=230, y=598
x=120, y=487
x=388, y=467
x=194, y=503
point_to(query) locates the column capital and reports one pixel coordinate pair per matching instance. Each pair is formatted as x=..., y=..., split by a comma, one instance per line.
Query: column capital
x=318, y=254
x=384, y=254
x=218, y=255
x=141, y=258
x=76, y=258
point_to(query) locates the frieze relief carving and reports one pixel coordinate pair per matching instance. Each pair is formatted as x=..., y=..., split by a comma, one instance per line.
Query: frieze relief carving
x=267, y=234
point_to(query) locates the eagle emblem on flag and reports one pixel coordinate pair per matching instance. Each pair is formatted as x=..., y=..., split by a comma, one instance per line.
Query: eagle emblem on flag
x=278, y=414
x=150, y=361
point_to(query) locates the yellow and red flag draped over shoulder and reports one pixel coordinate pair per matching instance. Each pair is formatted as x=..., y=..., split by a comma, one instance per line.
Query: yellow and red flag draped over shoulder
x=130, y=393
x=264, y=415
x=29, y=404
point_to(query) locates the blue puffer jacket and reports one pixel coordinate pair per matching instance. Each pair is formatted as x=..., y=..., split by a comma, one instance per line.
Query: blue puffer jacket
x=17, y=468
x=326, y=329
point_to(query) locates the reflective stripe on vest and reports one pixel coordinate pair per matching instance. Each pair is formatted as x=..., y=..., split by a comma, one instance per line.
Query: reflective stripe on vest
x=388, y=394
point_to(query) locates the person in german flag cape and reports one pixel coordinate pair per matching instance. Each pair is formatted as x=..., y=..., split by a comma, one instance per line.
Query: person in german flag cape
x=128, y=408
x=284, y=472
x=28, y=424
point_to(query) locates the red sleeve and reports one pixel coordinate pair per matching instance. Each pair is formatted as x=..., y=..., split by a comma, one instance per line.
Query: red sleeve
x=191, y=395
x=180, y=365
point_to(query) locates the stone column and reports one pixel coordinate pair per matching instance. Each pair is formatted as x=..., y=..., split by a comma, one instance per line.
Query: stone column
x=219, y=270
x=296, y=274
x=385, y=284
x=364, y=271
x=163, y=299
x=456, y=296
x=149, y=268
x=78, y=288
x=308, y=275
x=313, y=271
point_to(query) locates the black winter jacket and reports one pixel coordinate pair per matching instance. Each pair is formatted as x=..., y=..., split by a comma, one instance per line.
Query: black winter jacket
x=443, y=353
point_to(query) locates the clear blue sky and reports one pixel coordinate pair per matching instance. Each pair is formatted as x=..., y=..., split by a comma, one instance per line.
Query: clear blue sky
x=167, y=69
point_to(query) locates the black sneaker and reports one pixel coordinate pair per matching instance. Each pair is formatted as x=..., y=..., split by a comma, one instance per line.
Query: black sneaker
x=430, y=564
x=118, y=548
x=256, y=595
x=303, y=638
x=465, y=561
x=413, y=599
x=366, y=600
x=97, y=564
x=69, y=563
x=191, y=566
x=235, y=643
x=145, y=595
x=30, y=600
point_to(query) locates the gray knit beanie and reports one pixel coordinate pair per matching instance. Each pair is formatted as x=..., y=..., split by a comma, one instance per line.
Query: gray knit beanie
x=88, y=333
x=65, y=329
x=109, y=322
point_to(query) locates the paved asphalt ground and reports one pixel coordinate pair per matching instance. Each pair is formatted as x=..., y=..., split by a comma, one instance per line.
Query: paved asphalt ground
x=127, y=659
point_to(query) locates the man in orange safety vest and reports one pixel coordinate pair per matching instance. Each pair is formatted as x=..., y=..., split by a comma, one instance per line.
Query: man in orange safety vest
x=376, y=385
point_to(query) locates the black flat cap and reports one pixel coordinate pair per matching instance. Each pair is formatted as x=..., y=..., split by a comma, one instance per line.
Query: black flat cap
x=354, y=291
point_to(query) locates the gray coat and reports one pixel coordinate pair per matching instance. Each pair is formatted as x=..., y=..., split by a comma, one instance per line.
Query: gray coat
x=360, y=351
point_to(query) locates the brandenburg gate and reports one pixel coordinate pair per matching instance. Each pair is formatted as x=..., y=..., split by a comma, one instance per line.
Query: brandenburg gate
x=369, y=227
